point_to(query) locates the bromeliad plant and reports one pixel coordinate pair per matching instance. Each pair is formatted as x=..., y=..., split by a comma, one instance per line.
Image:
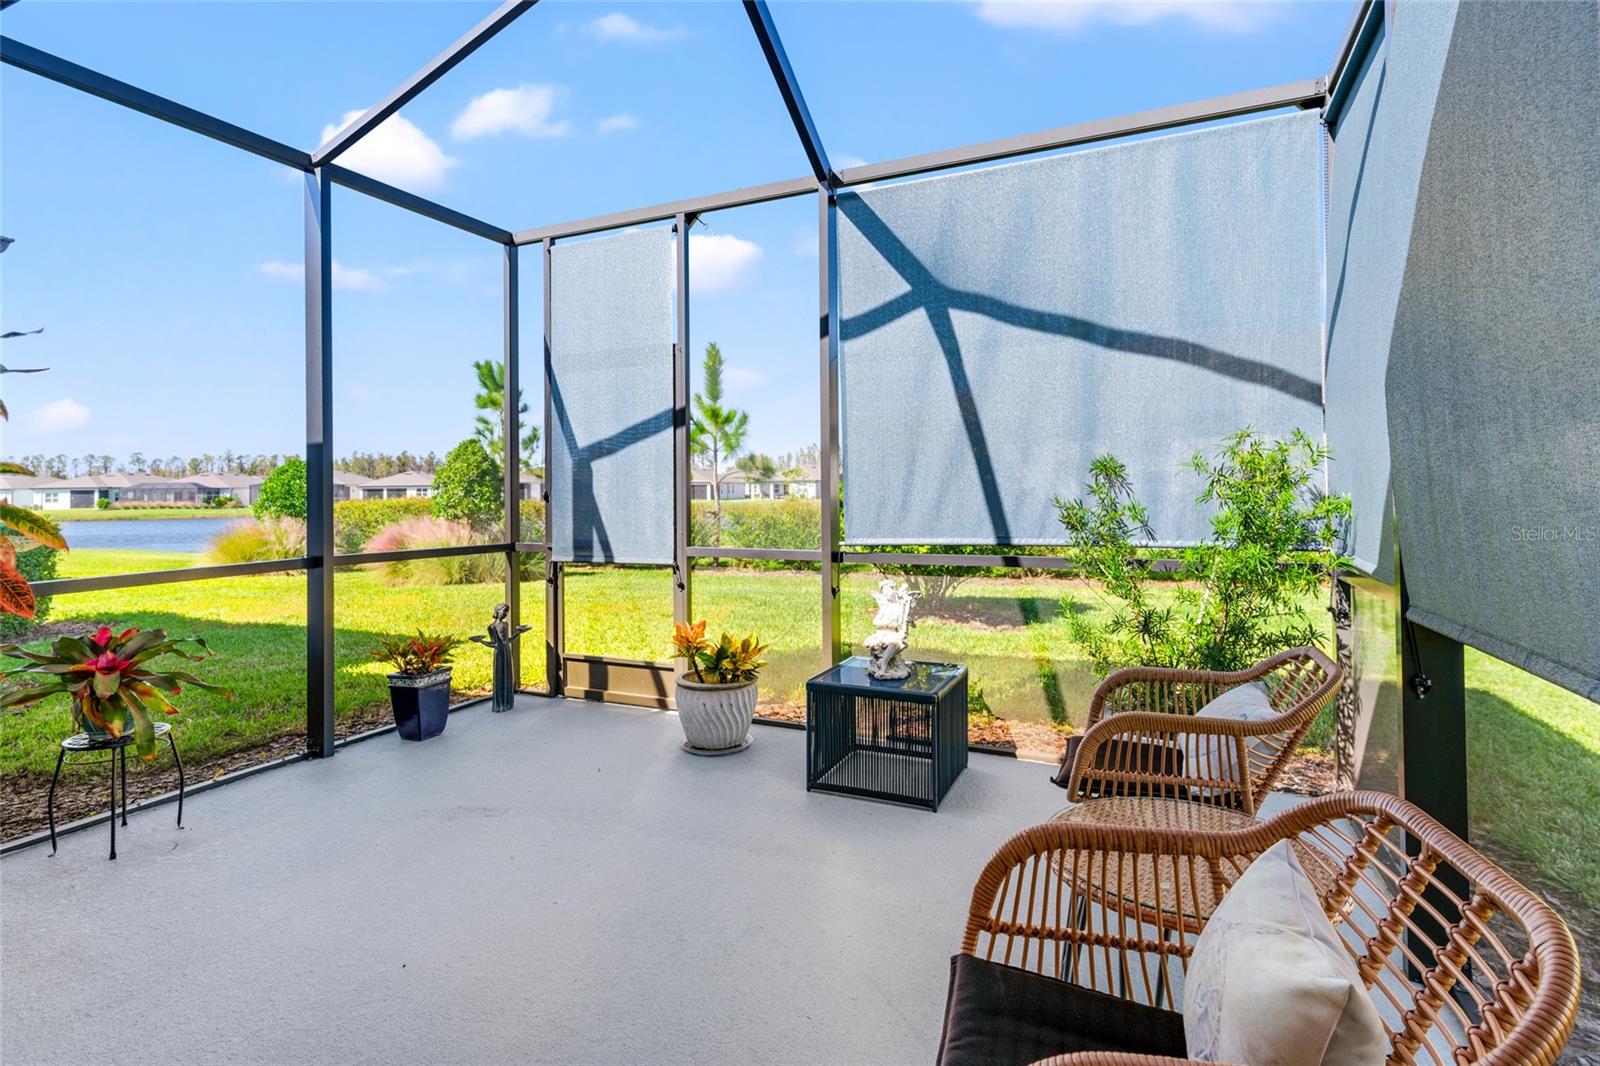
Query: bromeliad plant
x=727, y=662
x=425, y=653
x=110, y=679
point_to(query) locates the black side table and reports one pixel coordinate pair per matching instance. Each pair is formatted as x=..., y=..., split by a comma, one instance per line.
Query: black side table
x=118, y=761
x=904, y=741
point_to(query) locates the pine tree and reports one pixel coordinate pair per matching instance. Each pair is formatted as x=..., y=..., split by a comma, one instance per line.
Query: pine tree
x=717, y=432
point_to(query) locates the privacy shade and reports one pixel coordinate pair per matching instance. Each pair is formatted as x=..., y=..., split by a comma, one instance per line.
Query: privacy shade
x=611, y=336
x=1493, y=382
x=1001, y=328
x=1379, y=139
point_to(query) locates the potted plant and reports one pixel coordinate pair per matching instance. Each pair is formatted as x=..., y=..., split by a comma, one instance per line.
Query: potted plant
x=419, y=688
x=717, y=697
x=113, y=686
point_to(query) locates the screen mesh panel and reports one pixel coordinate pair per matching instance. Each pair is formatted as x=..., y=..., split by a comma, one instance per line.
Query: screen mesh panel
x=611, y=334
x=1494, y=378
x=1378, y=145
x=1001, y=328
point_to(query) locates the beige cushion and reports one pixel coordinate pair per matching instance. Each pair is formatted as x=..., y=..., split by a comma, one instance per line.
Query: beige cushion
x=1210, y=756
x=1271, y=984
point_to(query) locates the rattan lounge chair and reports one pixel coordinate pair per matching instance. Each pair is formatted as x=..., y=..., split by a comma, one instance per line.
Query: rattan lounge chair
x=1066, y=950
x=1143, y=737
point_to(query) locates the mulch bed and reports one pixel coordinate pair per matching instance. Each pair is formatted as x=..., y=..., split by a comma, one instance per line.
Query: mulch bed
x=86, y=792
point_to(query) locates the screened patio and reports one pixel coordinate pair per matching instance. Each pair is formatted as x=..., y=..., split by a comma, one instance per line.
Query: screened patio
x=1398, y=254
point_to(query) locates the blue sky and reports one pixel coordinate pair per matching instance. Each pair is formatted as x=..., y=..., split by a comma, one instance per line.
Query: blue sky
x=164, y=267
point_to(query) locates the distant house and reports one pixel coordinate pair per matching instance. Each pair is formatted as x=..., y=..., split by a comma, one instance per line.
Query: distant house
x=736, y=486
x=84, y=491
x=411, y=484
x=531, y=488
x=18, y=489
x=152, y=488
x=243, y=487
x=733, y=485
x=347, y=486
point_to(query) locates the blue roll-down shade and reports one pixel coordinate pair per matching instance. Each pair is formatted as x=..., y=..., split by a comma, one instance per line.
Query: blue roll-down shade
x=611, y=335
x=1000, y=328
x=1380, y=136
x=1493, y=379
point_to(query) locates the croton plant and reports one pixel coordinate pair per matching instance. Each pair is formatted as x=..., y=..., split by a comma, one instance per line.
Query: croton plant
x=727, y=662
x=110, y=678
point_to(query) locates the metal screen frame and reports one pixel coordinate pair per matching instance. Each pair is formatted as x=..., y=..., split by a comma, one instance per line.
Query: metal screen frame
x=322, y=172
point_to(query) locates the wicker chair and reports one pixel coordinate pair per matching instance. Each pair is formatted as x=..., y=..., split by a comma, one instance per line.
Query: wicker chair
x=1464, y=964
x=1142, y=736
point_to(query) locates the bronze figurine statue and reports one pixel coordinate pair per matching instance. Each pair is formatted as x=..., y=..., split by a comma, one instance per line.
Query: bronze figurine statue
x=502, y=638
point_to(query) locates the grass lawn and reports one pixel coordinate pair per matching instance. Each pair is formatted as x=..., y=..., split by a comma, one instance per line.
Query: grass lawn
x=1534, y=750
x=114, y=514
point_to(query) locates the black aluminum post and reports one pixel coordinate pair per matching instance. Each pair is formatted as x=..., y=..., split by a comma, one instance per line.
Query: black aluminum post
x=1433, y=769
x=789, y=88
x=1433, y=721
x=437, y=67
x=511, y=452
x=555, y=636
x=319, y=465
x=682, y=601
x=828, y=453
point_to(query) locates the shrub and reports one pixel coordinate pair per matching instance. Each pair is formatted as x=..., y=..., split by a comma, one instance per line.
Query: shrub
x=467, y=487
x=1274, y=539
x=102, y=504
x=37, y=564
x=222, y=501
x=283, y=494
x=759, y=523
x=355, y=522
x=426, y=531
x=249, y=542
x=532, y=525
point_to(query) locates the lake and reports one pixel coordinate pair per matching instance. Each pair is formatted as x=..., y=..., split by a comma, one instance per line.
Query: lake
x=146, y=534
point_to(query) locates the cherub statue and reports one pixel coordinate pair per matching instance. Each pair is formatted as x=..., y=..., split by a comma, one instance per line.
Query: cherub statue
x=887, y=644
x=501, y=637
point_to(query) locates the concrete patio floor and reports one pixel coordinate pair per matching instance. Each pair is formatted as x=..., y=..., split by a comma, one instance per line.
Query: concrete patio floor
x=559, y=884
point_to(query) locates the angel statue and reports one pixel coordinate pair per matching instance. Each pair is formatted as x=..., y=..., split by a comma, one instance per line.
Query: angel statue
x=893, y=619
x=501, y=638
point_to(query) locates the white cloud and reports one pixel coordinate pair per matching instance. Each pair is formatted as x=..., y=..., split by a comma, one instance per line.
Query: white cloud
x=617, y=123
x=1070, y=16
x=619, y=27
x=354, y=279
x=59, y=416
x=528, y=109
x=357, y=279
x=287, y=271
x=396, y=151
x=745, y=378
x=720, y=261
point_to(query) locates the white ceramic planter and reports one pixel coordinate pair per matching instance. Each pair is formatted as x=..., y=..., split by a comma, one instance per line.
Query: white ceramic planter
x=715, y=718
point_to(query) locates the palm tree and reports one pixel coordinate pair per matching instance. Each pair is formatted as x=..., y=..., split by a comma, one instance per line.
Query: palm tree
x=491, y=397
x=716, y=432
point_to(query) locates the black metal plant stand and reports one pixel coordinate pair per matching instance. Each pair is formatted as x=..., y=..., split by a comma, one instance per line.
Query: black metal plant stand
x=118, y=762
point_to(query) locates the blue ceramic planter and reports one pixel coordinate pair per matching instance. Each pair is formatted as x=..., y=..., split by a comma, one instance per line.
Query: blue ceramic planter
x=421, y=704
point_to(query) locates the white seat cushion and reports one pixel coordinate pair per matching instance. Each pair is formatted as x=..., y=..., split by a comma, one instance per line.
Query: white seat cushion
x=1271, y=984
x=1210, y=756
